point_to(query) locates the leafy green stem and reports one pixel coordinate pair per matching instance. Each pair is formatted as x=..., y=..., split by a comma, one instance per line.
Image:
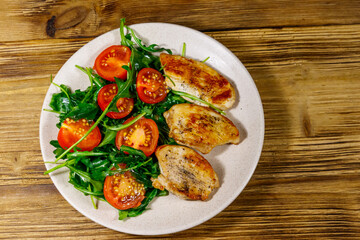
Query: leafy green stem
x=88, y=72
x=53, y=111
x=67, y=163
x=86, y=154
x=92, y=198
x=183, y=50
x=123, y=126
x=124, y=41
x=162, y=67
x=192, y=97
x=166, y=76
x=88, y=94
x=203, y=61
x=131, y=168
x=86, y=191
x=61, y=88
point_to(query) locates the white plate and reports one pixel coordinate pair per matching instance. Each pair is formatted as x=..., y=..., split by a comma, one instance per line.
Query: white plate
x=234, y=164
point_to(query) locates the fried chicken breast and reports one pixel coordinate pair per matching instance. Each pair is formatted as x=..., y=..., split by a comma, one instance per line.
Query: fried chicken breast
x=185, y=173
x=200, y=127
x=198, y=79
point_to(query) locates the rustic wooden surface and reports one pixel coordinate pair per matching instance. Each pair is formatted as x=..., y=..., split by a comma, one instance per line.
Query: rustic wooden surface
x=304, y=57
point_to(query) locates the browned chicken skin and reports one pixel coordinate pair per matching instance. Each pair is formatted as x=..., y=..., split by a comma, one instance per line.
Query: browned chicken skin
x=185, y=173
x=200, y=127
x=198, y=79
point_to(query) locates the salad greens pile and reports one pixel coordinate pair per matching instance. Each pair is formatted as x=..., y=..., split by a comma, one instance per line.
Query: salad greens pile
x=88, y=169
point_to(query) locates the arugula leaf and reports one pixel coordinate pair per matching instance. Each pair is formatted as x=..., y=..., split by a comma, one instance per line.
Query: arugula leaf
x=143, y=59
x=61, y=102
x=133, y=151
x=83, y=110
x=74, y=105
x=58, y=149
x=125, y=39
x=85, y=190
x=98, y=186
x=123, y=214
x=108, y=138
x=150, y=48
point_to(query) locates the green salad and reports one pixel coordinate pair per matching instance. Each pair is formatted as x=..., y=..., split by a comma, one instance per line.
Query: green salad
x=108, y=132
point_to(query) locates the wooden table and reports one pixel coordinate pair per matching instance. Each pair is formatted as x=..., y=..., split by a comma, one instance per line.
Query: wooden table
x=304, y=57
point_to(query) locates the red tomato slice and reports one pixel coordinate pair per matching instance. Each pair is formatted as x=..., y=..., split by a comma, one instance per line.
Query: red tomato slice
x=123, y=191
x=142, y=135
x=110, y=61
x=124, y=105
x=151, y=86
x=71, y=131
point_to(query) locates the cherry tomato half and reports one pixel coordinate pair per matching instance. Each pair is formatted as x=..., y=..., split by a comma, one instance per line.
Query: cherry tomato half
x=142, y=135
x=71, y=131
x=110, y=61
x=151, y=86
x=124, y=105
x=123, y=191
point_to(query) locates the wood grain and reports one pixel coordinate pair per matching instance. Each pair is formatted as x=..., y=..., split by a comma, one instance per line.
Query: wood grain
x=33, y=19
x=307, y=183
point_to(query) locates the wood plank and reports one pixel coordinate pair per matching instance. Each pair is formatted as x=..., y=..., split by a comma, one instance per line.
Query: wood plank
x=255, y=214
x=69, y=19
x=307, y=183
x=23, y=70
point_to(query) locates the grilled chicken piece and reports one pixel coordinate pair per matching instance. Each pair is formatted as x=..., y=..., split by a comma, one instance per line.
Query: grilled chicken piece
x=198, y=79
x=185, y=173
x=200, y=127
